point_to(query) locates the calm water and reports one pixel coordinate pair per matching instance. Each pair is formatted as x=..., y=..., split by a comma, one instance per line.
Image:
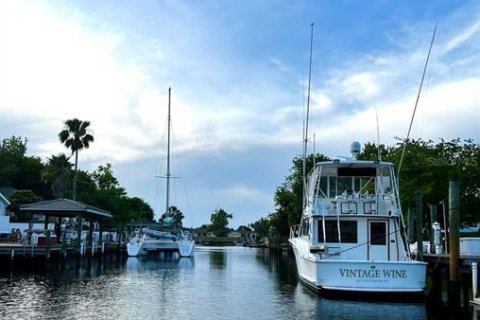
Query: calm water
x=219, y=283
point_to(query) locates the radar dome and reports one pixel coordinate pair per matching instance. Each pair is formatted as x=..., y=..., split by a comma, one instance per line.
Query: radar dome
x=355, y=148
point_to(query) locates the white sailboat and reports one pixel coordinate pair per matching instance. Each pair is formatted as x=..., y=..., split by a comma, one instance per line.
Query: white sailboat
x=165, y=236
x=350, y=235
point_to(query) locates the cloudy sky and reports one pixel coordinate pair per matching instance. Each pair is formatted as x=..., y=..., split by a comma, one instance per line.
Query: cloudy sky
x=238, y=72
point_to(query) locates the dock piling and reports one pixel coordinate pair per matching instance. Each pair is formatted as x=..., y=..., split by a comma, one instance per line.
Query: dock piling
x=419, y=219
x=474, y=279
x=454, y=221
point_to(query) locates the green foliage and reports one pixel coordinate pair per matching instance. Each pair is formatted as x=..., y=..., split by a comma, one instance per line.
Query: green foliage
x=57, y=173
x=219, y=222
x=35, y=180
x=261, y=227
x=75, y=135
x=12, y=151
x=105, y=179
x=18, y=198
x=29, y=176
x=139, y=210
x=288, y=197
x=429, y=166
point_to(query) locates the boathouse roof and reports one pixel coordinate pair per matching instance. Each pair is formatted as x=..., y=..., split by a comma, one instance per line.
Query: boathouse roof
x=65, y=208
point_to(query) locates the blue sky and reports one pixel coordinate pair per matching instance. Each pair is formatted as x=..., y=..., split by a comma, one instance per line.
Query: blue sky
x=238, y=72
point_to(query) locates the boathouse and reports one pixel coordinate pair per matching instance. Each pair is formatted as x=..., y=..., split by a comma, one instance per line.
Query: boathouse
x=62, y=240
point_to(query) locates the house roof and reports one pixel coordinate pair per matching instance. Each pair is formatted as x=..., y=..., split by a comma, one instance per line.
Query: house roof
x=4, y=199
x=65, y=208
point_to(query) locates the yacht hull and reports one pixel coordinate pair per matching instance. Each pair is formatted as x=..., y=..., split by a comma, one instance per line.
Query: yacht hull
x=361, y=275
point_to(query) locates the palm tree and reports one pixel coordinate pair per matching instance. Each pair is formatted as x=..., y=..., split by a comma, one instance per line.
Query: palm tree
x=75, y=137
x=57, y=174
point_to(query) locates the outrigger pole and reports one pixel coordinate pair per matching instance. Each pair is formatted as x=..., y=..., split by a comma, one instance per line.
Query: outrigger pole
x=305, y=133
x=416, y=104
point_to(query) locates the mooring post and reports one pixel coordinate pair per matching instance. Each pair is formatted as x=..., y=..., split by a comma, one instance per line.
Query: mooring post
x=64, y=243
x=454, y=221
x=419, y=219
x=411, y=225
x=100, y=235
x=90, y=235
x=79, y=233
x=474, y=279
x=433, y=219
x=47, y=245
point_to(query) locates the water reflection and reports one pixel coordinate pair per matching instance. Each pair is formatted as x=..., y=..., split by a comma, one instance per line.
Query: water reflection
x=218, y=283
x=218, y=258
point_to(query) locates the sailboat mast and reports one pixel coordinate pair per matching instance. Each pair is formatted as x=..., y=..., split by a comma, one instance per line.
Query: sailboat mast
x=167, y=204
x=305, y=137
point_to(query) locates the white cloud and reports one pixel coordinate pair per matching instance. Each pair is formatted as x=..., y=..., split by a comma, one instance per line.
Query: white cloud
x=114, y=69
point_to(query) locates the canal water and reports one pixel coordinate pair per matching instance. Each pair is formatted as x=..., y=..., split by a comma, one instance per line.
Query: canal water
x=218, y=283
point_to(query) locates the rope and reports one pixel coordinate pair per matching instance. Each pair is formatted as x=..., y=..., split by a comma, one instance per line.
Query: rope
x=358, y=245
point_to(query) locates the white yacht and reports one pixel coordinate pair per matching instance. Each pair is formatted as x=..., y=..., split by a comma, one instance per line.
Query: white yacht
x=350, y=237
x=164, y=236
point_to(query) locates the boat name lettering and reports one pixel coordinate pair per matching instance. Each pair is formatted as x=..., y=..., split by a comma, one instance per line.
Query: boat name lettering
x=373, y=274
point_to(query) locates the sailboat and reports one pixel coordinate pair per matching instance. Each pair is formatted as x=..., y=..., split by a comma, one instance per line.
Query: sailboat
x=165, y=236
x=350, y=237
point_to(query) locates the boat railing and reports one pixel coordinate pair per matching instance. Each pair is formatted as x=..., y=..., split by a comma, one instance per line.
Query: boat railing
x=354, y=204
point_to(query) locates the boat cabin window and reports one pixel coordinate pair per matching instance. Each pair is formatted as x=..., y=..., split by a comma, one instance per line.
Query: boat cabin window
x=378, y=233
x=348, y=231
x=345, y=181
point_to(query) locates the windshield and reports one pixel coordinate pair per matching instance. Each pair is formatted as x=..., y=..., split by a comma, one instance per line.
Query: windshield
x=337, y=181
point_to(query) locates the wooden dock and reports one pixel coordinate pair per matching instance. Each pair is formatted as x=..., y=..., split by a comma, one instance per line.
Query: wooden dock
x=26, y=250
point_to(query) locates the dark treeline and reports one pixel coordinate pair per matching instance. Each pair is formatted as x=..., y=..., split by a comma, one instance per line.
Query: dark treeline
x=31, y=179
x=427, y=166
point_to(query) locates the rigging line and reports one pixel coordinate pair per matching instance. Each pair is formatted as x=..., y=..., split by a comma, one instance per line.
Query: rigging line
x=187, y=203
x=416, y=103
x=360, y=244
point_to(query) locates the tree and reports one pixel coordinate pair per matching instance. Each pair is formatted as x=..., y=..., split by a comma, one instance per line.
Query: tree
x=288, y=197
x=18, y=198
x=428, y=166
x=12, y=151
x=75, y=137
x=219, y=222
x=28, y=176
x=261, y=227
x=105, y=179
x=57, y=173
x=139, y=210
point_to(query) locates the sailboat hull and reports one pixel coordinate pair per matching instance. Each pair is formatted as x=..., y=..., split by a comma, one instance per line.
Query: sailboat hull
x=141, y=246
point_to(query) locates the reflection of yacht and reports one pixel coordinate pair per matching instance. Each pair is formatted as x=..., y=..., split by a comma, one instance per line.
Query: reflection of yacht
x=349, y=238
x=164, y=236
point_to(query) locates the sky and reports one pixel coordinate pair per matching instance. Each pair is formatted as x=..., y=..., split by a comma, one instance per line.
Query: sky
x=239, y=77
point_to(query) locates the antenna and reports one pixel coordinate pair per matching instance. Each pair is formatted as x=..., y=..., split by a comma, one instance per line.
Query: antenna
x=416, y=103
x=379, y=148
